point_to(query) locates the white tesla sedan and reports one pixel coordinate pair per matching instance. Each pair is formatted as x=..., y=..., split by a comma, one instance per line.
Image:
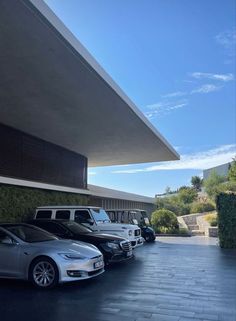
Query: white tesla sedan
x=30, y=253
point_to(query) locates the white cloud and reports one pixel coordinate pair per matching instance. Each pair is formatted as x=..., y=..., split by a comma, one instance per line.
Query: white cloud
x=164, y=108
x=227, y=39
x=205, y=89
x=205, y=75
x=175, y=94
x=197, y=161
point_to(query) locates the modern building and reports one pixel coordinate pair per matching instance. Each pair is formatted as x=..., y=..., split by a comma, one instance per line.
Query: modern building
x=110, y=199
x=60, y=112
x=220, y=170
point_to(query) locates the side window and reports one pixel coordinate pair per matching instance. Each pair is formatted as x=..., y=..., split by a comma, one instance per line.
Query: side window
x=44, y=214
x=5, y=239
x=82, y=216
x=53, y=228
x=63, y=214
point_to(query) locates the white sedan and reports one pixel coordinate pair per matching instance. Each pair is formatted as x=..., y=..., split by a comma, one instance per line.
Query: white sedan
x=30, y=253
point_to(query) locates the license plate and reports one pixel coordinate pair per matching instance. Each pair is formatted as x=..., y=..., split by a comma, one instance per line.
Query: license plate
x=98, y=264
x=129, y=253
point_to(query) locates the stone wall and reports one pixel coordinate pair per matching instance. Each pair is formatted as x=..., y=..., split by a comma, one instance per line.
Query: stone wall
x=196, y=224
x=211, y=231
x=191, y=219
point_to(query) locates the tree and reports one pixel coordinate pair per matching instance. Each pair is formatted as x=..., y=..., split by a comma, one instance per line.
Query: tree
x=187, y=195
x=196, y=182
x=167, y=190
x=173, y=204
x=164, y=221
x=232, y=171
x=213, y=184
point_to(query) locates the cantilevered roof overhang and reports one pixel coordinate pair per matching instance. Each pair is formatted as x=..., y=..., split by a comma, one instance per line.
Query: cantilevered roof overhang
x=52, y=88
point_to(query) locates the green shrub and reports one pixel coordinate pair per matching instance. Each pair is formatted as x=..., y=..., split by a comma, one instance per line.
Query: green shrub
x=173, y=204
x=187, y=195
x=201, y=207
x=164, y=221
x=19, y=203
x=213, y=184
x=183, y=231
x=229, y=186
x=232, y=171
x=226, y=207
x=212, y=219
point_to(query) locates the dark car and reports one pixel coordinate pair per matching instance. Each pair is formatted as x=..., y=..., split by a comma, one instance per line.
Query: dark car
x=137, y=217
x=113, y=248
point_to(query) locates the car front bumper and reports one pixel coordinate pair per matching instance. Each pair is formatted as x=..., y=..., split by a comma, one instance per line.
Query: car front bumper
x=137, y=242
x=120, y=257
x=75, y=270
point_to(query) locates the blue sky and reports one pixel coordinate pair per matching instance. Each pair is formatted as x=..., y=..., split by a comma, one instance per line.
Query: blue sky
x=176, y=60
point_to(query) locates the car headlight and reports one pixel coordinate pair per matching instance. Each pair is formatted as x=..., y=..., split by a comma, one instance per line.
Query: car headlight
x=113, y=246
x=72, y=256
x=130, y=232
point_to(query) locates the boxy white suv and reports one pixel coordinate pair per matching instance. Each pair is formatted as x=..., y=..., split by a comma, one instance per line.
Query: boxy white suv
x=93, y=217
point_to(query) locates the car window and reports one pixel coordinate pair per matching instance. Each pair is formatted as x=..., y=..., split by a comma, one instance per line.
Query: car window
x=52, y=227
x=76, y=228
x=44, y=214
x=112, y=215
x=82, y=216
x=30, y=234
x=63, y=214
x=5, y=238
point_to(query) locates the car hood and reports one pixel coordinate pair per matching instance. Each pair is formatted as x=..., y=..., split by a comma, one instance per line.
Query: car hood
x=95, y=236
x=68, y=246
x=117, y=226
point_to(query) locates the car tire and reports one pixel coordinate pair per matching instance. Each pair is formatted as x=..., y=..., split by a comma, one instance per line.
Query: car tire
x=149, y=238
x=43, y=273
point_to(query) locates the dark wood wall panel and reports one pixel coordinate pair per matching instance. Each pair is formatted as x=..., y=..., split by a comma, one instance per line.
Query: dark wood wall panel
x=26, y=157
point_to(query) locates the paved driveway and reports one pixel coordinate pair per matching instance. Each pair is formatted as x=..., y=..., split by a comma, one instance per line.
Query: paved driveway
x=174, y=279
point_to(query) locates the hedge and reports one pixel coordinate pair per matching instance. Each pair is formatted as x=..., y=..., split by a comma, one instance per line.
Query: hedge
x=226, y=207
x=19, y=203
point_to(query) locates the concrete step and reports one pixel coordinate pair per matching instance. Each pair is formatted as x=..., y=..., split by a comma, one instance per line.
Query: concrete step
x=198, y=233
x=193, y=227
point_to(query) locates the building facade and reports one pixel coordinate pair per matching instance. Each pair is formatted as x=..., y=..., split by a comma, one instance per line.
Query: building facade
x=221, y=170
x=60, y=112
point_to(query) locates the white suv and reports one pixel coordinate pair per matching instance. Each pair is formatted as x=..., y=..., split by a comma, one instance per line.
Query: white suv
x=93, y=217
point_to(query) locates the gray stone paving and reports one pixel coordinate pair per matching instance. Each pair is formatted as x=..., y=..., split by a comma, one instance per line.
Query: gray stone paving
x=173, y=279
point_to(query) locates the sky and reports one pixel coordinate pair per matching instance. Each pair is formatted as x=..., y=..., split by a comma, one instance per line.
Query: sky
x=176, y=60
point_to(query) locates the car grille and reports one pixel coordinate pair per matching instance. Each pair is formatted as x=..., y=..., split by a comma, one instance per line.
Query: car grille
x=95, y=272
x=137, y=232
x=126, y=246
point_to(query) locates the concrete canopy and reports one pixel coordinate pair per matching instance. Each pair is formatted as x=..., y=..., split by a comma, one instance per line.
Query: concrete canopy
x=52, y=88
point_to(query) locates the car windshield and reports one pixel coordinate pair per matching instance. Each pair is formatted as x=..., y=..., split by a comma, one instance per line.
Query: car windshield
x=77, y=228
x=30, y=234
x=100, y=215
